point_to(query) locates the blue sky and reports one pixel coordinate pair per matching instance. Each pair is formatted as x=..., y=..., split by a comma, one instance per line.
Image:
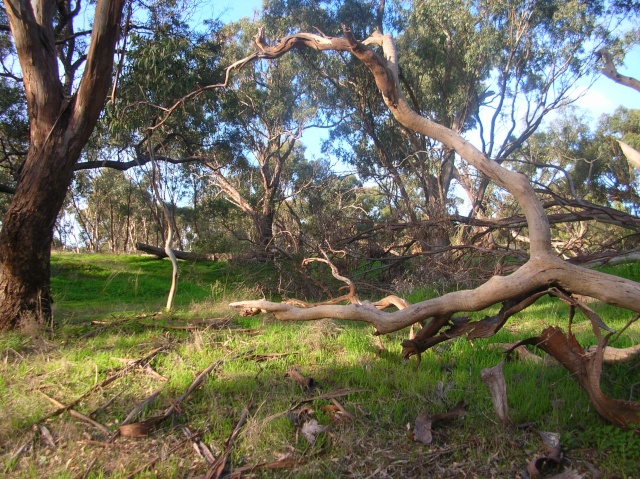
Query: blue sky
x=604, y=96
x=232, y=10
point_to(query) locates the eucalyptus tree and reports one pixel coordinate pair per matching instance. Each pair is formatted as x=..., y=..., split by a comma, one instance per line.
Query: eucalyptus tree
x=587, y=186
x=264, y=114
x=543, y=274
x=14, y=124
x=490, y=70
x=112, y=211
x=66, y=74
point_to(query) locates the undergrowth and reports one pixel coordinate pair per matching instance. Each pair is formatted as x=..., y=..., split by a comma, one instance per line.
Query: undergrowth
x=106, y=316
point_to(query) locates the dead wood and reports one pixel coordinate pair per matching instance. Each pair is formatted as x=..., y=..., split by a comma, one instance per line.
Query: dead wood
x=307, y=383
x=143, y=428
x=47, y=436
x=330, y=395
x=521, y=351
x=183, y=255
x=586, y=367
x=77, y=414
x=137, y=410
x=265, y=357
x=613, y=355
x=198, y=446
x=542, y=272
x=494, y=379
x=106, y=326
x=422, y=430
x=105, y=405
x=553, y=456
x=217, y=468
x=133, y=364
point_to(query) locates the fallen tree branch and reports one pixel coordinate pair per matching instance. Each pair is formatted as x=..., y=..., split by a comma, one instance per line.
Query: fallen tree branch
x=586, y=367
x=110, y=379
x=542, y=272
x=142, y=428
x=77, y=414
x=217, y=468
x=184, y=255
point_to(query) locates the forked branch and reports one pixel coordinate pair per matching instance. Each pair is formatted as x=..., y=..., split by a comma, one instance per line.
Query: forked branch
x=542, y=272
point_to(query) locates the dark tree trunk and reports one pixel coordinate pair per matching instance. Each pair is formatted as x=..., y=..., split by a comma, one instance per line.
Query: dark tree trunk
x=264, y=225
x=59, y=130
x=27, y=234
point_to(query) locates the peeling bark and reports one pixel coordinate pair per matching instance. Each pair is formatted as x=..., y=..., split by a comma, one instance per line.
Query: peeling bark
x=543, y=273
x=586, y=367
x=494, y=379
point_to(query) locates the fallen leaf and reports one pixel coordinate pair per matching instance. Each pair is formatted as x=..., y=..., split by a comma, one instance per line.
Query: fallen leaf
x=425, y=422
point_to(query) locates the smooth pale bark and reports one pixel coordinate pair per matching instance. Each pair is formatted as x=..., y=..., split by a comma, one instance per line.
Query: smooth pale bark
x=543, y=273
x=543, y=269
x=610, y=71
x=59, y=128
x=633, y=155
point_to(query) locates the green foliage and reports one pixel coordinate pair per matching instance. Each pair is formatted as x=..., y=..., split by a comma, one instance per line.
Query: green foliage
x=623, y=444
x=387, y=393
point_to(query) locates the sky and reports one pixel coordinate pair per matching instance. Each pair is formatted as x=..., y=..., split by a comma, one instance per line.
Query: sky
x=233, y=10
x=603, y=97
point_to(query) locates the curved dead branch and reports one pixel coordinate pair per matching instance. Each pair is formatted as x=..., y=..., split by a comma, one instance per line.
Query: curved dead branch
x=543, y=273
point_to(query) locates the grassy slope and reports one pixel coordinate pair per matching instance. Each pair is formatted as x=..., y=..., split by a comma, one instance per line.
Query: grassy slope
x=115, y=289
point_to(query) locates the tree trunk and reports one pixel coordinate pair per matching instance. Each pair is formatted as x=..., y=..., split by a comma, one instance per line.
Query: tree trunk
x=27, y=235
x=264, y=225
x=59, y=129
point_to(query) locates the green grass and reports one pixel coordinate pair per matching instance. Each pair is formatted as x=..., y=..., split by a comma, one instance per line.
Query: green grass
x=104, y=317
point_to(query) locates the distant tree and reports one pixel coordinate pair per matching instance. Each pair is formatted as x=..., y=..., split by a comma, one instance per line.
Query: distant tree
x=264, y=114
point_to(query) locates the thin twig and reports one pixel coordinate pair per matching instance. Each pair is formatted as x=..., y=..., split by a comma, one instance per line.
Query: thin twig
x=217, y=468
x=109, y=380
x=77, y=414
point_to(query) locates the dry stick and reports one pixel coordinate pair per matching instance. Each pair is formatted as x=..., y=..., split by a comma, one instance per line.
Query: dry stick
x=140, y=407
x=217, y=468
x=105, y=405
x=170, y=410
x=330, y=395
x=77, y=415
x=107, y=381
x=114, y=323
x=47, y=436
x=200, y=378
x=201, y=449
x=629, y=323
x=14, y=458
x=143, y=427
x=136, y=410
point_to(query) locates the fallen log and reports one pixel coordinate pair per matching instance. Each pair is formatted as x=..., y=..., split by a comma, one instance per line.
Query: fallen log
x=185, y=255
